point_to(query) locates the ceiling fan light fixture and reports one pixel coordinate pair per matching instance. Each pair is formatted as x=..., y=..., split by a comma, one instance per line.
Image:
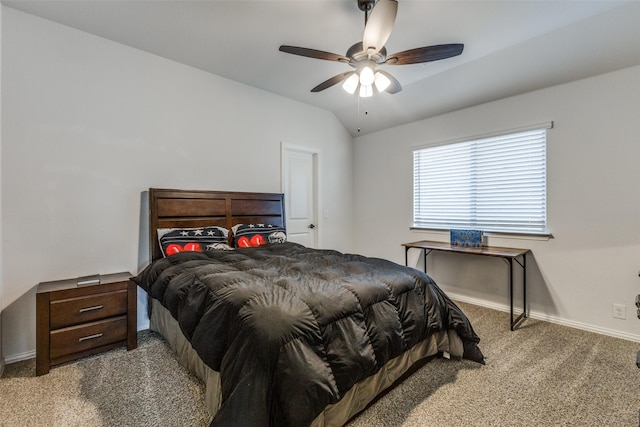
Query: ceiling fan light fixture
x=366, y=76
x=367, y=55
x=351, y=84
x=382, y=82
x=366, y=91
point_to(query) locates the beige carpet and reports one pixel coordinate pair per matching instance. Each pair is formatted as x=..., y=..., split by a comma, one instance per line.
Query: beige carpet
x=540, y=375
x=143, y=387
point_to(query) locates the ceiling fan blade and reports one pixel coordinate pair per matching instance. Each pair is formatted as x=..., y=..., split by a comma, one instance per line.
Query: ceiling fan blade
x=332, y=81
x=425, y=54
x=394, y=86
x=312, y=53
x=379, y=25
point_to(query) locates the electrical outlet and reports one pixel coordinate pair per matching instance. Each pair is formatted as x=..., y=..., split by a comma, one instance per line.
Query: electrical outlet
x=619, y=311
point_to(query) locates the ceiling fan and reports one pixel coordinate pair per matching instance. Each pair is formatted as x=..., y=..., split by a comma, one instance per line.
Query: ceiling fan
x=366, y=55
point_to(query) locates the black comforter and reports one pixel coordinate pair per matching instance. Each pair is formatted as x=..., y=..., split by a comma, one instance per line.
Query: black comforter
x=291, y=329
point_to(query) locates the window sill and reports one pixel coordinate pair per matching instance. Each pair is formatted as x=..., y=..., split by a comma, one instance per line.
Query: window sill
x=495, y=234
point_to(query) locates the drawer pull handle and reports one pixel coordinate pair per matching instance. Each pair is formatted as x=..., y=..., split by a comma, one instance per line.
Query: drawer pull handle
x=90, y=337
x=95, y=307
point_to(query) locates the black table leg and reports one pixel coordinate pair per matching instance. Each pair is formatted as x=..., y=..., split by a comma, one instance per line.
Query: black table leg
x=523, y=315
x=511, y=292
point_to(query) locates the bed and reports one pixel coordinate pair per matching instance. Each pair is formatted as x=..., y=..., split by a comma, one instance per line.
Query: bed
x=281, y=334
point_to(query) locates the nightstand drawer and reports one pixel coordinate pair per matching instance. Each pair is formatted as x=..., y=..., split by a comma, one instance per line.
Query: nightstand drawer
x=72, y=311
x=75, y=339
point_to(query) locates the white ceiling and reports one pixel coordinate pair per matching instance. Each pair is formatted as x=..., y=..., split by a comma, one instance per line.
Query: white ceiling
x=511, y=47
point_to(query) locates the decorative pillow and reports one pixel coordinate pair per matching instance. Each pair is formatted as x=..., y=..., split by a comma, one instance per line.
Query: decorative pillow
x=175, y=240
x=249, y=235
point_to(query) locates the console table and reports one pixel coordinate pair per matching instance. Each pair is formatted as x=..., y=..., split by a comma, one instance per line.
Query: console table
x=508, y=254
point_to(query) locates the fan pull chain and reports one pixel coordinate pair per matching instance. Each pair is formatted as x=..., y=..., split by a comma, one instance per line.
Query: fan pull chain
x=365, y=113
x=358, y=116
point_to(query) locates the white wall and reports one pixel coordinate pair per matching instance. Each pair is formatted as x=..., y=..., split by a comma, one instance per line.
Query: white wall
x=1, y=281
x=90, y=124
x=593, y=203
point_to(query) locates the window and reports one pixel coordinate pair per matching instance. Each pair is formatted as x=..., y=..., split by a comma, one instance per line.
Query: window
x=495, y=183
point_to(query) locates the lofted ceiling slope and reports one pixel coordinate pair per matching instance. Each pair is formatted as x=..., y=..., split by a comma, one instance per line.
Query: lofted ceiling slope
x=511, y=47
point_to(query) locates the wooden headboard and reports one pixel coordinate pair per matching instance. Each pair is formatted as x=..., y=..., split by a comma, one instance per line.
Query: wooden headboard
x=193, y=208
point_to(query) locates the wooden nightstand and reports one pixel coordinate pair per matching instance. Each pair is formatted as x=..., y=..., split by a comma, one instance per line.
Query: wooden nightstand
x=75, y=321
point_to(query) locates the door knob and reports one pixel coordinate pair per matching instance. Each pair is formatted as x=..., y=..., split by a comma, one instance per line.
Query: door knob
x=311, y=226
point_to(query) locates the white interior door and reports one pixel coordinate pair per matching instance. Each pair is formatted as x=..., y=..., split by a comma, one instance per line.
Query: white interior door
x=299, y=185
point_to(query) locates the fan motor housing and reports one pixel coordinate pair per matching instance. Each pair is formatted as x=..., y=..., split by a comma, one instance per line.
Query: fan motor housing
x=366, y=5
x=356, y=53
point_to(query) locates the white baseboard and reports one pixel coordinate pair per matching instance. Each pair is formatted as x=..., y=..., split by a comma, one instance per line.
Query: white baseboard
x=32, y=353
x=20, y=357
x=548, y=318
x=475, y=301
x=143, y=326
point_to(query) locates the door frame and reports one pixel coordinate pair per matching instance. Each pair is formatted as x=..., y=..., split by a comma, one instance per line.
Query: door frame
x=317, y=199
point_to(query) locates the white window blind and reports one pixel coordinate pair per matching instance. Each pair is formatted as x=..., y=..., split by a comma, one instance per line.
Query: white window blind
x=491, y=184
